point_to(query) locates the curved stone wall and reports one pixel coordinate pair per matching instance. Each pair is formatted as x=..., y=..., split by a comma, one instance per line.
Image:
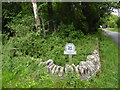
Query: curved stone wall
x=86, y=69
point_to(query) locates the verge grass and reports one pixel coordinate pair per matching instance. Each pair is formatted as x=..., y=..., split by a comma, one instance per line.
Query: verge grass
x=114, y=29
x=19, y=71
x=108, y=77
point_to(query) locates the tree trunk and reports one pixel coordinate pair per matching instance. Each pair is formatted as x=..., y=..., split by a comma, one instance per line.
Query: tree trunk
x=37, y=19
x=50, y=16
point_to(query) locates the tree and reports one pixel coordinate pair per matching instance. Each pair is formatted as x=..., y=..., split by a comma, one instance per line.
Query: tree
x=84, y=16
x=118, y=22
x=8, y=14
x=35, y=9
x=93, y=12
x=50, y=16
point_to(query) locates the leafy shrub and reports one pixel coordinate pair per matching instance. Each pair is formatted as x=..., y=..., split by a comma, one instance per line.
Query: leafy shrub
x=21, y=71
x=21, y=25
x=52, y=46
x=69, y=31
x=4, y=38
x=110, y=21
x=118, y=22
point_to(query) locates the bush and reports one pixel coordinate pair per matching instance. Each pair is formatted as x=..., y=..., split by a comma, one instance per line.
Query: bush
x=52, y=46
x=21, y=71
x=21, y=25
x=110, y=21
x=118, y=22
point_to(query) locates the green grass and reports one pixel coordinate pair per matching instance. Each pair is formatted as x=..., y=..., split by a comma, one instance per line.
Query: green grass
x=113, y=29
x=0, y=61
x=19, y=71
x=108, y=77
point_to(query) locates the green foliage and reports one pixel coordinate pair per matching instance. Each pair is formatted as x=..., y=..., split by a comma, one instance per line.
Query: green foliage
x=20, y=71
x=24, y=73
x=69, y=31
x=51, y=46
x=109, y=61
x=8, y=13
x=113, y=29
x=118, y=22
x=93, y=12
x=21, y=25
x=110, y=21
x=84, y=16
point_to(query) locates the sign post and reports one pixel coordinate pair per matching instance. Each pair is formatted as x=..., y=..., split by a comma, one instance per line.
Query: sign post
x=70, y=57
x=70, y=50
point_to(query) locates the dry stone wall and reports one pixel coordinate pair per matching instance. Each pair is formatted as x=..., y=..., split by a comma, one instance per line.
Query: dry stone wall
x=86, y=69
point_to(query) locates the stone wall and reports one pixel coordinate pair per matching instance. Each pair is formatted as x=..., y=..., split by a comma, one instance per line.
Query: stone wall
x=86, y=69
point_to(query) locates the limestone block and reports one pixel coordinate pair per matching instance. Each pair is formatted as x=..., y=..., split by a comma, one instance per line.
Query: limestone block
x=49, y=62
x=82, y=63
x=91, y=68
x=50, y=67
x=90, y=63
x=86, y=70
x=96, y=61
x=94, y=58
x=97, y=58
x=48, y=70
x=96, y=52
x=83, y=72
x=90, y=57
x=53, y=70
x=57, y=69
x=74, y=67
x=98, y=68
x=82, y=69
x=61, y=71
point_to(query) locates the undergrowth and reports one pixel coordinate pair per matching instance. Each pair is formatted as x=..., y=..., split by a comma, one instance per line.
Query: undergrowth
x=20, y=71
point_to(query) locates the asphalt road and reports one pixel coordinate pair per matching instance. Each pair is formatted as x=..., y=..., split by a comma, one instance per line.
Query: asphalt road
x=114, y=35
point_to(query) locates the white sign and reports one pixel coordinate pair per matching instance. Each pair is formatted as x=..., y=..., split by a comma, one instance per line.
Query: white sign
x=70, y=49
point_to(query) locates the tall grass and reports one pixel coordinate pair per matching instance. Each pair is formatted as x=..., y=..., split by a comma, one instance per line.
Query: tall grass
x=108, y=77
x=20, y=71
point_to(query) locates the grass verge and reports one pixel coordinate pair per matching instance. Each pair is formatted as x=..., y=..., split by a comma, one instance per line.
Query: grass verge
x=22, y=72
x=113, y=29
x=108, y=77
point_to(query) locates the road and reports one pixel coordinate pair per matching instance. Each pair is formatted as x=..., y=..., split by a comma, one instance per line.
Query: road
x=114, y=35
